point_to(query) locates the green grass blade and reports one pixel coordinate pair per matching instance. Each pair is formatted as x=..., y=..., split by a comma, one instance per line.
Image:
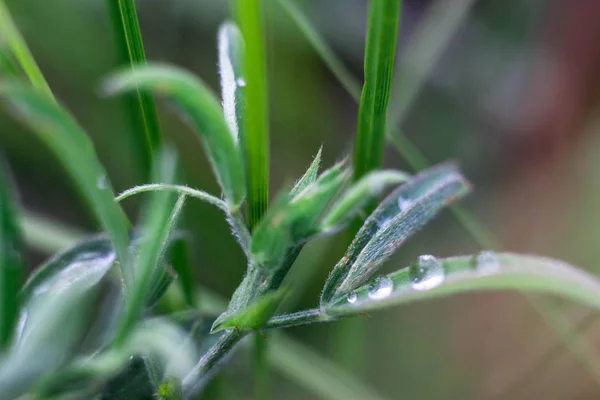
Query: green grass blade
x=255, y=116
x=382, y=29
x=202, y=110
x=140, y=106
x=429, y=277
x=61, y=133
x=309, y=176
x=159, y=218
x=11, y=35
x=12, y=254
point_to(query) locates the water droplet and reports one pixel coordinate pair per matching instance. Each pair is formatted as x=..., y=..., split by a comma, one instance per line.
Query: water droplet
x=427, y=273
x=403, y=203
x=352, y=297
x=101, y=183
x=381, y=288
x=487, y=261
x=240, y=82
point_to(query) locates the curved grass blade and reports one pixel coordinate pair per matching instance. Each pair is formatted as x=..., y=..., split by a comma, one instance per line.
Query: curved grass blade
x=12, y=252
x=233, y=82
x=159, y=218
x=359, y=195
x=309, y=176
x=201, y=110
x=255, y=116
x=57, y=129
x=380, y=50
x=401, y=214
x=429, y=278
x=253, y=317
x=141, y=107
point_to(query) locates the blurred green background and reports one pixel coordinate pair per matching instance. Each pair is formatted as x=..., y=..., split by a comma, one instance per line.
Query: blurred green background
x=513, y=97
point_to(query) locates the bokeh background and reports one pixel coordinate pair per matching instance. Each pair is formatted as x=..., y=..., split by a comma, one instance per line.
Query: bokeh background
x=510, y=92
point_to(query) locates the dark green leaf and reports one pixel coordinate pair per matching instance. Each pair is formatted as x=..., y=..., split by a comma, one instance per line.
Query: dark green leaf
x=162, y=277
x=401, y=214
x=201, y=110
x=12, y=251
x=429, y=277
x=359, y=195
x=309, y=176
x=60, y=132
x=379, y=65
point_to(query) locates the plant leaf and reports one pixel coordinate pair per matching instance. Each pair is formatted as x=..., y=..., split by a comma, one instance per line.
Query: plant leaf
x=159, y=218
x=429, y=278
x=200, y=108
x=309, y=176
x=231, y=59
x=359, y=195
x=254, y=316
x=380, y=51
x=83, y=265
x=401, y=214
x=249, y=15
x=57, y=129
x=12, y=252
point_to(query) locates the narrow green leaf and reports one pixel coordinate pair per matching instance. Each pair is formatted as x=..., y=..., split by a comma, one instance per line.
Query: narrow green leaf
x=12, y=253
x=401, y=214
x=57, y=129
x=380, y=51
x=13, y=39
x=180, y=259
x=359, y=195
x=233, y=82
x=200, y=108
x=162, y=277
x=255, y=316
x=159, y=218
x=429, y=277
x=8, y=65
x=309, y=176
x=140, y=106
x=255, y=116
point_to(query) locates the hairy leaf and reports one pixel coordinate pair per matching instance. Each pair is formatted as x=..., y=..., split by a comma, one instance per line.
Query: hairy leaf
x=401, y=214
x=309, y=176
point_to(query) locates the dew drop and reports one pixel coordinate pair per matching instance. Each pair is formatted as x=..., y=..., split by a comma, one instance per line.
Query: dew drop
x=403, y=203
x=381, y=288
x=240, y=82
x=426, y=273
x=101, y=183
x=487, y=261
x=352, y=297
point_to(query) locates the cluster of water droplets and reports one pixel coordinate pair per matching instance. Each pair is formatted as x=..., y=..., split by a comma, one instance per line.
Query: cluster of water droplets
x=426, y=273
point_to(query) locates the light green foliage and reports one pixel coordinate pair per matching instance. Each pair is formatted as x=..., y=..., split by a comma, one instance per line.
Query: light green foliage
x=256, y=315
x=309, y=176
x=200, y=108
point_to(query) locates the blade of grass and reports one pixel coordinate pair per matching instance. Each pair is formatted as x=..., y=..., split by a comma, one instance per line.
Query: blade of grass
x=298, y=362
x=11, y=35
x=140, y=106
x=61, y=133
x=11, y=258
x=382, y=29
x=159, y=219
x=255, y=117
